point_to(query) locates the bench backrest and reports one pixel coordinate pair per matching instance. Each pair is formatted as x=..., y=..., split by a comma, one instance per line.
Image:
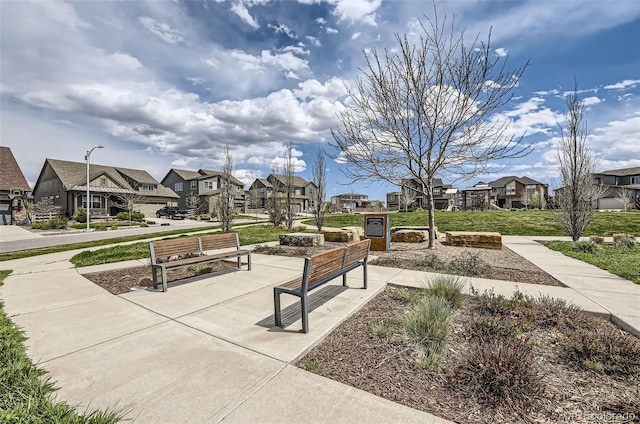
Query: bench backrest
x=323, y=264
x=163, y=249
x=356, y=252
x=220, y=241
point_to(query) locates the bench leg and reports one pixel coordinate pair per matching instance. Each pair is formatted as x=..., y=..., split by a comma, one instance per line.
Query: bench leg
x=249, y=262
x=164, y=279
x=154, y=277
x=344, y=280
x=239, y=262
x=276, y=307
x=305, y=313
x=364, y=272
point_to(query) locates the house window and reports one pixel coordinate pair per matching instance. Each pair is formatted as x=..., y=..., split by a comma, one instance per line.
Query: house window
x=147, y=187
x=103, y=182
x=177, y=187
x=510, y=191
x=531, y=187
x=596, y=180
x=635, y=180
x=96, y=201
x=194, y=185
x=209, y=185
x=436, y=191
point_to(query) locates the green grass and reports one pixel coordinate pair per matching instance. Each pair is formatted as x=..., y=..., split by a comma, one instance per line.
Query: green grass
x=85, y=245
x=520, y=223
x=26, y=391
x=109, y=225
x=620, y=261
x=247, y=235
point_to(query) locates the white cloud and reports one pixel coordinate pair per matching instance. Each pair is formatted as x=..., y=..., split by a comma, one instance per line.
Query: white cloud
x=242, y=12
x=502, y=52
x=332, y=30
x=357, y=10
x=622, y=85
x=161, y=30
x=321, y=21
x=313, y=40
x=355, y=35
x=588, y=101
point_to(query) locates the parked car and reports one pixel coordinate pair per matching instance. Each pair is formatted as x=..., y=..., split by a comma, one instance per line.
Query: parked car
x=171, y=212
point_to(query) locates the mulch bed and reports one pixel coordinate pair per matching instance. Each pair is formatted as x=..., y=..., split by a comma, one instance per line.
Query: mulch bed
x=355, y=355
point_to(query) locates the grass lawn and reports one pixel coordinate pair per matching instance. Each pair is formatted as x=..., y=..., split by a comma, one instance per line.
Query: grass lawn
x=624, y=262
x=26, y=391
x=247, y=235
x=520, y=223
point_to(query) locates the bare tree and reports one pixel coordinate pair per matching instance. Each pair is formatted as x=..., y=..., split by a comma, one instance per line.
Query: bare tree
x=625, y=197
x=525, y=198
x=319, y=177
x=537, y=200
x=289, y=193
x=577, y=197
x=127, y=201
x=407, y=196
x=254, y=200
x=274, y=204
x=193, y=202
x=225, y=201
x=429, y=108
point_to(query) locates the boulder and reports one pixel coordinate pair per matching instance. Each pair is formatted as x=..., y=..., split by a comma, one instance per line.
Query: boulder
x=301, y=239
x=409, y=236
x=335, y=235
x=415, y=228
x=483, y=240
x=358, y=232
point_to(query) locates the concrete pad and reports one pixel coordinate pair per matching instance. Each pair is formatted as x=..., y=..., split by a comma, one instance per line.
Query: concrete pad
x=191, y=296
x=284, y=399
x=248, y=321
x=628, y=323
x=116, y=265
x=9, y=233
x=27, y=293
x=42, y=263
x=167, y=374
x=56, y=332
x=278, y=261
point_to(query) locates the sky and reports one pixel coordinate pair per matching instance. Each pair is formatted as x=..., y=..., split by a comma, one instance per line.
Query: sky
x=167, y=84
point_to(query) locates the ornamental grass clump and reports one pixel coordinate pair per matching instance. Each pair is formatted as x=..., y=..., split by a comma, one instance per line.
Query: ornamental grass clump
x=448, y=287
x=426, y=325
x=586, y=246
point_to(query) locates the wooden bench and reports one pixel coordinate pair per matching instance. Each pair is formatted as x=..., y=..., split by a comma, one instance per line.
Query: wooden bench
x=320, y=269
x=178, y=253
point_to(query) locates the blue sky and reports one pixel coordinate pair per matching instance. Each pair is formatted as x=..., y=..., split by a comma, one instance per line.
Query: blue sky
x=167, y=84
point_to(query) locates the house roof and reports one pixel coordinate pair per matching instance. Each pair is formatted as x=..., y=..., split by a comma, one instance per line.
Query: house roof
x=501, y=182
x=207, y=172
x=73, y=176
x=297, y=181
x=11, y=176
x=262, y=181
x=622, y=172
x=185, y=174
x=437, y=182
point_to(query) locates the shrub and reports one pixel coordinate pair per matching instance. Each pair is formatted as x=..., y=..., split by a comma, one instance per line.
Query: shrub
x=468, y=263
x=617, y=237
x=500, y=373
x=382, y=330
x=490, y=327
x=58, y=223
x=489, y=303
x=448, y=287
x=586, y=246
x=150, y=222
x=313, y=365
x=405, y=295
x=432, y=261
x=100, y=227
x=135, y=216
x=625, y=241
x=603, y=350
x=427, y=325
x=44, y=225
x=81, y=215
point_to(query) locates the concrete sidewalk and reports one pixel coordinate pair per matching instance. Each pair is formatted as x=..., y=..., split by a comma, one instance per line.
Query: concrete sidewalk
x=207, y=350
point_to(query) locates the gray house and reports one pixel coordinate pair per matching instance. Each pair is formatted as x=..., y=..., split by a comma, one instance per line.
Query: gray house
x=65, y=183
x=303, y=191
x=201, y=189
x=614, y=181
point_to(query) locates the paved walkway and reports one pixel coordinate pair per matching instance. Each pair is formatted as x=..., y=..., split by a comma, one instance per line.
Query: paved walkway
x=206, y=351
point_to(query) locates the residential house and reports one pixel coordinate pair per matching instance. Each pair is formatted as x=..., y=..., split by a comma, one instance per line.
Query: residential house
x=65, y=183
x=14, y=189
x=504, y=193
x=414, y=187
x=201, y=189
x=613, y=182
x=348, y=202
x=516, y=192
x=393, y=200
x=275, y=184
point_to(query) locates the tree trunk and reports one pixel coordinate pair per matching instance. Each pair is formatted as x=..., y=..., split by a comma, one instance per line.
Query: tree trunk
x=432, y=214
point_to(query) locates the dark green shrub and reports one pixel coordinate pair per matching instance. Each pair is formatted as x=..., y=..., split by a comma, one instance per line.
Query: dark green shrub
x=501, y=373
x=58, y=223
x=488, y=327
x=135, y=216
x=44, y=225
x=586, y=246
x=626, y=242
x=81, y=215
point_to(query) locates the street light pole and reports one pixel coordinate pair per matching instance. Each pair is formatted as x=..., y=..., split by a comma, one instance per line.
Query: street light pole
x=87, y=157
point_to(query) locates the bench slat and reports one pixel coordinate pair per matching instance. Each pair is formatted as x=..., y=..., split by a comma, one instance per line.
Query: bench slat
x=357, y=252
x=177, y=247
x=219, y=241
